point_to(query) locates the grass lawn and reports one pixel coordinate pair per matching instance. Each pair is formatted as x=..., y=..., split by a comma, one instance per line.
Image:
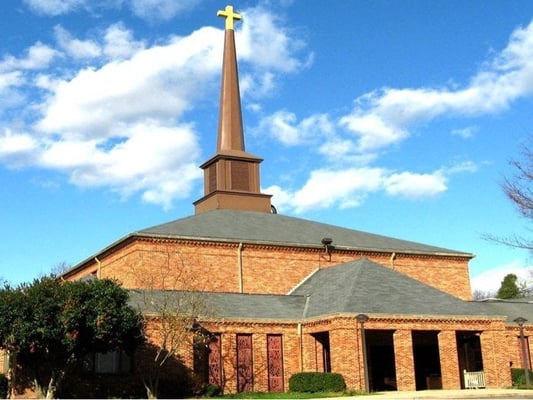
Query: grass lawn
x=290, y=395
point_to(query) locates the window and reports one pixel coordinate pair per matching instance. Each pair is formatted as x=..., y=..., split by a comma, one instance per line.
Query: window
x=113, y=362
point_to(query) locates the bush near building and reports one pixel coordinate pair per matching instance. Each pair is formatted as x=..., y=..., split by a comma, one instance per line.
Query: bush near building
x=317, y=382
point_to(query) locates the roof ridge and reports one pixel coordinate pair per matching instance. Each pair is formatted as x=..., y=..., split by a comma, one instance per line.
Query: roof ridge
x=290, y=292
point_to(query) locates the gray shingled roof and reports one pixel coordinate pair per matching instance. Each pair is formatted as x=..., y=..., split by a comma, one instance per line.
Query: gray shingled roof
x=364, y=286
x=360, y=286
x=510, y=308
x=247, y=226
x=225, y=305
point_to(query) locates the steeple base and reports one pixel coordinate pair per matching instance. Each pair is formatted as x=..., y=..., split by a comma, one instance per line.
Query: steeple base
x=234, y=201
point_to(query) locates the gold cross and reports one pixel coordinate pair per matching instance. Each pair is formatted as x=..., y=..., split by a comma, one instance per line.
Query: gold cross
x=229, y=15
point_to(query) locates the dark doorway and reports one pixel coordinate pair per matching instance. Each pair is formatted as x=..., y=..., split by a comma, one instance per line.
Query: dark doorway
x=322, y=351
x=427, y=360
x=381, y=363
x=469, y=352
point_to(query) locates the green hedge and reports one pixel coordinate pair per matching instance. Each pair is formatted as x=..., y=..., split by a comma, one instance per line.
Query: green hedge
x=3, y=386
x=519, y=378
x=316, y=382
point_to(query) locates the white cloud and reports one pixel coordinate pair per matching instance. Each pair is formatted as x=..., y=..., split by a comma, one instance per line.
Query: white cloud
x=414, y=186
x=383, y=117
x=39, y=56
x=119, y=42
x=490, y=280
x=76, y=48
x=350, y=187
x=161, y=9
x=158, y=82
x=114, y=115
x=54, y=7
x=16, y=148
x=283, y=126
x=465, y=133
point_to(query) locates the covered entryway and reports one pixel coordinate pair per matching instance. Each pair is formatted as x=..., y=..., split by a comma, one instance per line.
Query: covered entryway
x=469, y=353
x=381, y=363
x=322, y=351
x=427, y=360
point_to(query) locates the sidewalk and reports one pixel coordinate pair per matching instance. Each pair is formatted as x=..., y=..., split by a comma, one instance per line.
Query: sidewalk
x=452, y=394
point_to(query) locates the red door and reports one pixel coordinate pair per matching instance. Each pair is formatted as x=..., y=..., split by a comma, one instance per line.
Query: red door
x=244, y=363
x=215, y=361
x=275, y=363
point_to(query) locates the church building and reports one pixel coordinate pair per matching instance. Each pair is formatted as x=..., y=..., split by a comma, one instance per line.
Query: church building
x=284, y=295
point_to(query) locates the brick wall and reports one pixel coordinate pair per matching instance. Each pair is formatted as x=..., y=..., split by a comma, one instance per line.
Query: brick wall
x=229, y=267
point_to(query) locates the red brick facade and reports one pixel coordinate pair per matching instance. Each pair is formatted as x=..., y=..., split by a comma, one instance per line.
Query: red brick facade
x=249, y=268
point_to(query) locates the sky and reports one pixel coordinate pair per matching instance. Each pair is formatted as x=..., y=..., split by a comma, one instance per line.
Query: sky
x=393, y=117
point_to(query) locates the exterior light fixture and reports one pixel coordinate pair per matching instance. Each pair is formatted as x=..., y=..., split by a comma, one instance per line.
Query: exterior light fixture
x=326, y=242
x=525, y=361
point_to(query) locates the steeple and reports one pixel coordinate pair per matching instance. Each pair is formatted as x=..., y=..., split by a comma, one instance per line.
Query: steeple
x=231, y=176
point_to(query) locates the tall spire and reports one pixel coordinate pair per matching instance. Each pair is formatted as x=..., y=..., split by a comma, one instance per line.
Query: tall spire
x=231, y=176
x=230, y=132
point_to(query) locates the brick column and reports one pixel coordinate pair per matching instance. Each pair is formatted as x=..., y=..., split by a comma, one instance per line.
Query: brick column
x=405, y=364
x=449, y=360
x=346, y=358
x=495, y=359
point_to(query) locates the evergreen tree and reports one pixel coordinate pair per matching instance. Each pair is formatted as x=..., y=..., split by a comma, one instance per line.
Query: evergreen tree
x=509, y=288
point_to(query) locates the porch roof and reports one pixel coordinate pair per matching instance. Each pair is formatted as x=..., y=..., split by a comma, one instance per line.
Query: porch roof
x=360, y=286
x=363, y=286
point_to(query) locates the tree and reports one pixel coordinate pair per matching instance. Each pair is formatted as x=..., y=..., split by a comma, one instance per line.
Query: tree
x=519, y=190
x=509, y=288
x=51, y=326
x=170, y=316
x=482, y=294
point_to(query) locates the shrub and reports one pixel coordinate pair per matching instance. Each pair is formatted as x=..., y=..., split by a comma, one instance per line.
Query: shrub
x=3, y=387
x=316, y=382
x=212, y=390
x=519, y=378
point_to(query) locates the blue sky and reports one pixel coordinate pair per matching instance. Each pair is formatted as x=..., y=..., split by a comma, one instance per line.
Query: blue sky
x=392, y=117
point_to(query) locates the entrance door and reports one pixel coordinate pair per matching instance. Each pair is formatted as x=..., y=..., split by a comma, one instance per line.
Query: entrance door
x=427, y=360
x=381, y=362
x=275, y=363
x=244, y=363
x=215, y=361
x=469, y=352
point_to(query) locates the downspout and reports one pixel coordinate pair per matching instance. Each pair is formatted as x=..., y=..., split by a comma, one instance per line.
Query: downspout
x=300, y=336
x=98, y=269
x=239, y=262
x=392, y=258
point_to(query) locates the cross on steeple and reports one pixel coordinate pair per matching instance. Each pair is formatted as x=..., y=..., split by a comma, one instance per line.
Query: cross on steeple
x=229, y=15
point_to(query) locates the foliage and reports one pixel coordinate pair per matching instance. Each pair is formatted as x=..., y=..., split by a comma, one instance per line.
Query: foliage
x=519, y=378
x=509, y=288
x=50, y=326
x=170, y=316
x=482, y=294
x=3, y=386
x=211, y=390
x=316, y=382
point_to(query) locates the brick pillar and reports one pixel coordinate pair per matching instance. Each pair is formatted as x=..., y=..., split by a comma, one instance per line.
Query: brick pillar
x=346, y=358
x=229, y=362
x=495, y=359
x=405, y=364
x=449, y=360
